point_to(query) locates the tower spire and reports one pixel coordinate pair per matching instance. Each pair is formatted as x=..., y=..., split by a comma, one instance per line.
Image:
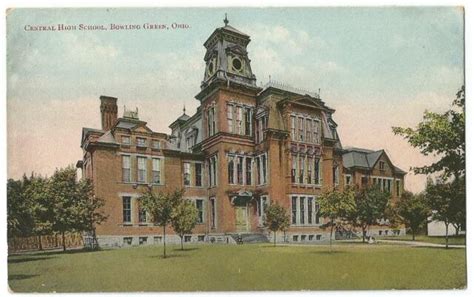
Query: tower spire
x=226, y=21
x=184, y=109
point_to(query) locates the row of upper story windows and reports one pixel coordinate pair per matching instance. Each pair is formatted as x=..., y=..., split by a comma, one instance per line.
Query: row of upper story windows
x=305, y=129
x=384, y=183
x=240, y=120
x=247, y=170
x=141, y=142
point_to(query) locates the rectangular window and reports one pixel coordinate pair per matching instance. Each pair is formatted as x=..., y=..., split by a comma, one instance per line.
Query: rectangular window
x=259, y=174
x=294, y=201
x=316, y=213
x=248, y=171
x=211, y=121
x=301, y=169
x=308, y=130
x=316, y=133
x=200, y=209
x=389, y=186
x=230, y=170
x=309, y=163
x=156, y=171
x=248, y=121
x=384, y=184
x=382, y=166
x=257, y=131
x=156, y=144
x=198, y=174
x=397, y=185
x=213, y=213
x=212, y=171
x=230, y=117
x=264, y=168
x=317, y=171
x=141, y=142
x=126, y=169
x=127, y=240
x=348, y=179
x=141, y=178
x=157, y=239
x=126, y=140
x=301, y=129
x=142, y=240
x=302, y=210
x=294, y=165
x=187, y=173
x=310, y=210
x=293, y=128
x=238, y=122
x=127, y=209
x=240, y=161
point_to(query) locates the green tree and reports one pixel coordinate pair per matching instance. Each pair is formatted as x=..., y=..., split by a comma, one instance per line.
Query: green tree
x=63, y=191
x=337, y=207
x=371, y=205
x=41, y=206
x=446, y=201
x=443, y=135
x=276, y=219
x=89, y=210
x=413, y=211
x=160, y=208
x=20, y=221
x=184, y=219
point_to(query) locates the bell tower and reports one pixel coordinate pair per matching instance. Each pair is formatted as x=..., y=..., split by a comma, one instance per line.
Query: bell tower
x=108, y=112
x=227, y=57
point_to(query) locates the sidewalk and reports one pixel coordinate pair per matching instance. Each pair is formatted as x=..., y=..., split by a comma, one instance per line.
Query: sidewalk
x=420, y=243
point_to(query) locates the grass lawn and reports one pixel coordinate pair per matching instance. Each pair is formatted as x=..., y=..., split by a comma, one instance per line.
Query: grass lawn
x=240, y=267
x=460, y=239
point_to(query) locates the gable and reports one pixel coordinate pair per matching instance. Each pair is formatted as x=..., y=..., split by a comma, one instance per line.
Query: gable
x=141, y=128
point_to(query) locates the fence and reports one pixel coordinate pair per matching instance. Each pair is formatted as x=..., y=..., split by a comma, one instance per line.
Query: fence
x=17, y=244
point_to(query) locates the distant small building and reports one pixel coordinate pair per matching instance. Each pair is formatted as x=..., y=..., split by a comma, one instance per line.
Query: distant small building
x=363, y=168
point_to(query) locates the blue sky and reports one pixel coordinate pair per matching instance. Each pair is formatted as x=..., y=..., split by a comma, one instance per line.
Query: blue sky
x=378, y=67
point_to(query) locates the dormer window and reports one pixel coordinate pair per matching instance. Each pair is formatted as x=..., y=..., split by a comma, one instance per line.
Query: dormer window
x=141, y=142
x=236, y=65
x=381, y=166
x=156, y=144
x=126, y=140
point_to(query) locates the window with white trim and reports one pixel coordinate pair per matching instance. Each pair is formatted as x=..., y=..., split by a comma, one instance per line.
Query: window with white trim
x=142, y=215
x=141, y=142
x=262, y=204
x=156, y=170
x=198, y=174
x=141, y=172
x=212, y=163
x=304, y=210
x=211, y=121
x=293, y=128
x=126, y=176
x=200, y=210
x=127, y=209
x=156, y=144
x=305, y=169
x=187, y=173
x=335, y=174
x=126, y=140
x=213, y=212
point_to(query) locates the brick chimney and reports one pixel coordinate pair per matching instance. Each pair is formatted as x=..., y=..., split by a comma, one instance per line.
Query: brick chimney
x=108, y=111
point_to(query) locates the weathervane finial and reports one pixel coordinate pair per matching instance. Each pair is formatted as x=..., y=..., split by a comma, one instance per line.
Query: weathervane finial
x=226, y=21
x=184, y=109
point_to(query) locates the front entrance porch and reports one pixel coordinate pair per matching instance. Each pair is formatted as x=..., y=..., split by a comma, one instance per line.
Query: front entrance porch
x=241, y=201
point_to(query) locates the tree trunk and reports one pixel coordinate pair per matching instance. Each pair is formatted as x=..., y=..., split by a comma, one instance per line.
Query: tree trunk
x=182, y=247
x=363, y=234
x=274, y=238
x=330, y=236
x=164, y=241
x=447, y=225
x=457, y=229
x=56, y=243
x=412, y=234
x=64, y=241
x=40, y=245
x=95, y=242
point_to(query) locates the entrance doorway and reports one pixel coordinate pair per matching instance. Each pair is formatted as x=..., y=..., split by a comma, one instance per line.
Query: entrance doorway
x=241, y=219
